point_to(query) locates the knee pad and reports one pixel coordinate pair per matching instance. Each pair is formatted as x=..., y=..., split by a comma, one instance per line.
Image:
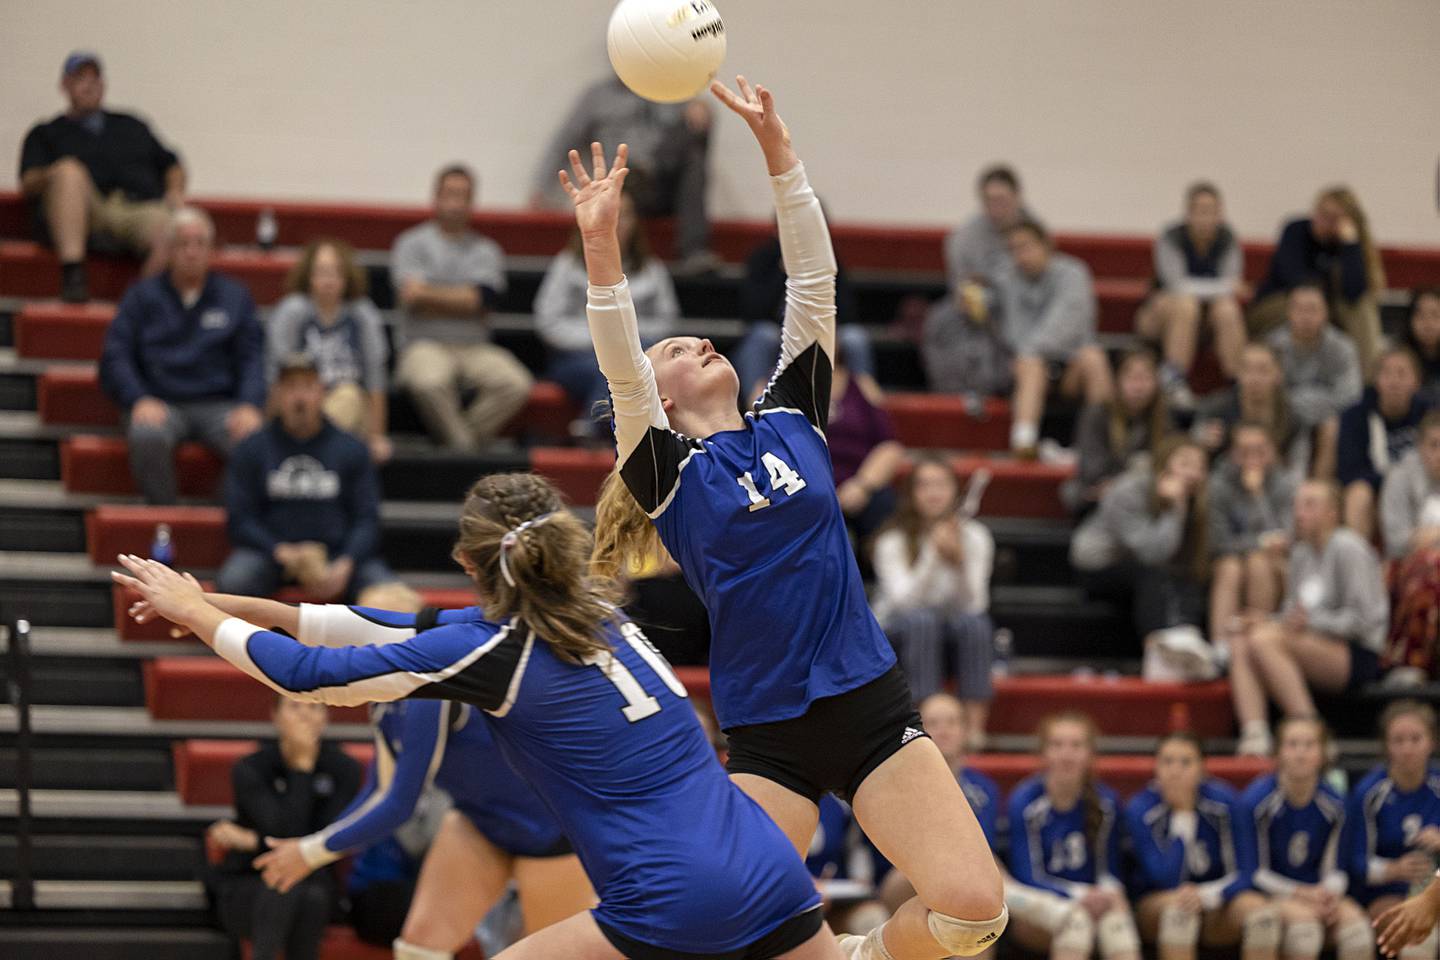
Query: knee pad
x=1303, y=938
x=409, y=951
x=1075, y=933
x=1116, y=935
x=1355, y=941
x=965, y=938
x=1261, y=929
x=1424, y=950
x=1178, y=928
x=1039, y=908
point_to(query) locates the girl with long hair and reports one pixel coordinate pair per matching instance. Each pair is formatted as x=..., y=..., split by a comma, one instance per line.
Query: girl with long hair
x=804, y=681
x=1123, y=432
x=1258, y=396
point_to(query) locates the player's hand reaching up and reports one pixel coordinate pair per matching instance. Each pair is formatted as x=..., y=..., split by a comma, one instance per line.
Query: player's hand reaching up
x=596, y=195
x=756, y=106
x=172, y=595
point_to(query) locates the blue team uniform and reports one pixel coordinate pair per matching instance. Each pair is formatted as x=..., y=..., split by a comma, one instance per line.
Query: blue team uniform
x=1381, y=824
x=1048, y=849
x=1290, y=847
x=984, y=798
x=681, y=859
x=1210, y=859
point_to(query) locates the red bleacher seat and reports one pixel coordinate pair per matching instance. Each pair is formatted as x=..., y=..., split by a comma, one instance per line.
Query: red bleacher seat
x=71, y=395
x=202, y=767
x=198, y=533
x=1120, y=705
x=576, y=473
x=941, y=421
x=30, y=270
x=1018, y=488
x=208, y=688
x=1126, y=774
x=91, y=464
x=62, y=331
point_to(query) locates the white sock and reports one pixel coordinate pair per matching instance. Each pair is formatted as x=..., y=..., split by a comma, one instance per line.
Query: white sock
x=1023, y=435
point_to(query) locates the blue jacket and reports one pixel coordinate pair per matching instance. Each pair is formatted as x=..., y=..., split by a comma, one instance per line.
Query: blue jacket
x=158, y=347
x=1340, y=267
x=1381, y=823
x=1360, y=442
x=1213, y=860
x=282, y=490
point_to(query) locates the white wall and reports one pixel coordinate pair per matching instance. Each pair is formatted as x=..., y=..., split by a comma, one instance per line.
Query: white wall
x=1108, y=107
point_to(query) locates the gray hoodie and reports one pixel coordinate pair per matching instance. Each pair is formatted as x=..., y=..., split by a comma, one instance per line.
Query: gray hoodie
x=1238, y=517
x=1409, y=500
x=1341, y=589
x=1322, y=380
x=1123, y=528
x=1049, y=316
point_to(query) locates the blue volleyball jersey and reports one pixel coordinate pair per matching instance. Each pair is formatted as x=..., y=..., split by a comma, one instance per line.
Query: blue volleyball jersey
x=751, y=514
x=1048, y=848
x=680, y=857
x=984, y=799
x=1291, y=847
x=1381, y=824
x=1170, y=854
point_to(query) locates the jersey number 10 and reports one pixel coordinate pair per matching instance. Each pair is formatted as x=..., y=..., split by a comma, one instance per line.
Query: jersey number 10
x=638, y=703
x=781, y=478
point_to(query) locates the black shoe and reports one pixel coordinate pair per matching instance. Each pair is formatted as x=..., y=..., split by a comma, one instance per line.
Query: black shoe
x=74, y=288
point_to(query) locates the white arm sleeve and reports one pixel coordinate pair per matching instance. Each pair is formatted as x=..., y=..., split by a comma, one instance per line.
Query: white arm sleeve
x=336, y=625
x=615, y=332
x=809, y=266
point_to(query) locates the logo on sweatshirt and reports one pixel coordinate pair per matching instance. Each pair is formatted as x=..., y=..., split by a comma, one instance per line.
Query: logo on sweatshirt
x=302, y=477
x=214, y=319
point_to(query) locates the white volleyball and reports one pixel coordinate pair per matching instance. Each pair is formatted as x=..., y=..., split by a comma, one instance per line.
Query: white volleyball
x=666, y=50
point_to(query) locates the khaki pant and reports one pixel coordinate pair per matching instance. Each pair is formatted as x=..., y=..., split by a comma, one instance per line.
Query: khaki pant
x=135, y=225
x=348, y=407
x=1359, y=318
x=437, y=375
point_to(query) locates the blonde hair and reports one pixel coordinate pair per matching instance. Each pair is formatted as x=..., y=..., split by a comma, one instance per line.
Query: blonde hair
x=545, y=582
x=625, y=539
x=1343, y=197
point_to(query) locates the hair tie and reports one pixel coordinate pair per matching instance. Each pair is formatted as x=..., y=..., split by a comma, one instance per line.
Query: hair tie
x=511, y=538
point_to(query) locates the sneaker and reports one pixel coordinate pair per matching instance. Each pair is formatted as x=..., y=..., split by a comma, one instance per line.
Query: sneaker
x=1053, y=453
x=1405, y=678
x=1180, y=397
x=74, y=287
x=1255, y=741
x=1187, y=651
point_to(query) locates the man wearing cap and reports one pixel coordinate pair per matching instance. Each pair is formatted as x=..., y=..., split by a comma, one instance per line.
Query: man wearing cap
x=303, y=499
x=94, y=173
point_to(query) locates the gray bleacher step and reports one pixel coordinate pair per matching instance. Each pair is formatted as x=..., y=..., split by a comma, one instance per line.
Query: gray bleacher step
x=101, y=643
x=135, y=722
x=120, y=805
x=86, y=681
x=107, y=857
x=112, y=943
x=1057, y=621
x=92, y=767
x=51, y=529
x=113, y=895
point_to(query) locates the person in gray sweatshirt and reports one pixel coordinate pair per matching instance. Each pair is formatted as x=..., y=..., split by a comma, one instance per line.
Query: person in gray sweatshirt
x=1330, y=631
x=1322, y=371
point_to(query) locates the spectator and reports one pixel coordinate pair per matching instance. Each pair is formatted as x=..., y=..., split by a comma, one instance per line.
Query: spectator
x=864, y=454
x=327, y=315
x=1322, y=372
x=1252, y=503
x=1331, y=628
x=302, y=499
x=669, y=144
x=447, y=279
x=1065, y=852
x=184, y=359
x=1121, y=433
x=1148, y=543
x=1410, y=512
x=1333, y=249
x=560, y=310
x=1257, y=396
x=1291, y=834
x=933, y=567
x=1392, y=817
x=1199, y=274
x=1047, y=317
x=1191, y=886
x=976, y=252
x=96, y=174
x=1375, y=433
x=287, y=788
x=1422, y=337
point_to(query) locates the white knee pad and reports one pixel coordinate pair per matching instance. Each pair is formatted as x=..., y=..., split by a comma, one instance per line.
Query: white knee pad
x=1039, y=908
x=1261, y=930
x=1116, y=935
x=1355, y=941
x=1075, y=934
x=965, y=938
x=1424, y=950
x=1303, y=938
x=1178, y=928
x=409, y=951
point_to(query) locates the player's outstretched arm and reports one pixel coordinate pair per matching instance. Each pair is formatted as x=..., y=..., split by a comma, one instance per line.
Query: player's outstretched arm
x=756, y=106
x=1408, y=923
x=596, y=196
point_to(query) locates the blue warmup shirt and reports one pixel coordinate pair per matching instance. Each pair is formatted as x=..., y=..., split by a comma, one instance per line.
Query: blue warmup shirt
x=1290, y=847
x=1381, y=824
x=418, y=742
x=1048, y=848
x=984, y=797
x=680, y=857
x=156, y=346
x=1207, y=855
x=751, y=514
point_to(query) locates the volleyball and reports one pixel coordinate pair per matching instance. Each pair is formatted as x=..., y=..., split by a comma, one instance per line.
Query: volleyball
x=666, y=50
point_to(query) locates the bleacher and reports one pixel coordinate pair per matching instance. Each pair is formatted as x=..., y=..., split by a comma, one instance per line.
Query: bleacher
x=134, y=731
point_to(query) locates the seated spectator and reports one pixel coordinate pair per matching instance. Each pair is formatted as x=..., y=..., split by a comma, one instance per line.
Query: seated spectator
x=1422, y=338
x=1375, y=433
x=447, y=279
x=560, y=310
x=1331, y=628
x=1333, y=249
x=1288, y=834
x=1410, y=517
x=1257, y=396
x=327, y=315
x=1065, y=898
x=976, y=252
x=184, y=359
x=669, y=146
x=864, y=454
x=1147, y=544
x=1121, y=433
x=1392, y=817
x=96, y=174
x=287, y=788
x=1047, y=318
x=932, y=567
x=302, y=499
x=1252, y=503
x=1191, y=887
x=1199, y=275
x=1322, y=372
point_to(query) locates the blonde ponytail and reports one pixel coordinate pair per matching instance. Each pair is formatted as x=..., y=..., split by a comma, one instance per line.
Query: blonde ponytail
x=626, y=542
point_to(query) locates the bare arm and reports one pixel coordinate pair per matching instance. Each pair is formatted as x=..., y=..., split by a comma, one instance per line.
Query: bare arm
x=461, y=300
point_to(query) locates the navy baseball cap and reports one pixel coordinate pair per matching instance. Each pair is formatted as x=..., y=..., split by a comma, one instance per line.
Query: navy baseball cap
x=79, y=59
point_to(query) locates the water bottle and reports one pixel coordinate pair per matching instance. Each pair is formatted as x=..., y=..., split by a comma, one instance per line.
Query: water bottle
x=162, y=548
x=1004, y=646
x=266, y=229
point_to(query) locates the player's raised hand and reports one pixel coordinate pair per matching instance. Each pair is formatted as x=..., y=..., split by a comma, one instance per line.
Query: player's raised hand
x=142, y=612
x=756, y=106
x=170, y=594
x=596, y=193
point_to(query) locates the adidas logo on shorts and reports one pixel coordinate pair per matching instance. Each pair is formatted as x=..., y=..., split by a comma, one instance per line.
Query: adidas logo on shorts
x=910, y=734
